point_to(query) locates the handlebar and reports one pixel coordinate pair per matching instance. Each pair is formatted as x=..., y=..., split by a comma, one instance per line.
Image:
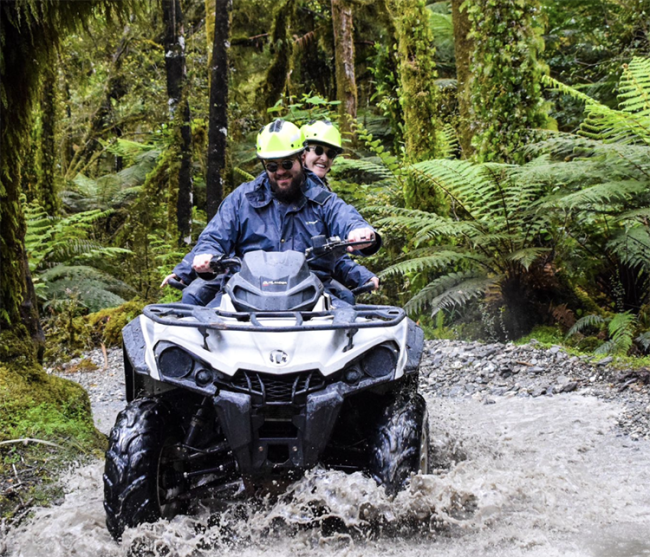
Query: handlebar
x=324, y=246
x=177, y=284
x=368, y=287
x=219, y=263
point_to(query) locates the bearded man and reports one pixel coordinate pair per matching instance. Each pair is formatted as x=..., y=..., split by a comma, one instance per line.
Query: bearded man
x=282, y=209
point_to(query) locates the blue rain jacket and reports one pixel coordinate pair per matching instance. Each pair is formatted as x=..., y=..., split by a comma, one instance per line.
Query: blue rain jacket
x=250, y=218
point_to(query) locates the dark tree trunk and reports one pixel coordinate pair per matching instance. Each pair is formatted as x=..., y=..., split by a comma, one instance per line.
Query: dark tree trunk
x=47, y=194
x=278, y=72
x=31, y=35
x=218, y=131
x=346, y=82
x=463, y=50
x=179, y=108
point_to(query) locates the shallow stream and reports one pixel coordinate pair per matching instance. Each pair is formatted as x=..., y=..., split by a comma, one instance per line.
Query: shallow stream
x=533, y=477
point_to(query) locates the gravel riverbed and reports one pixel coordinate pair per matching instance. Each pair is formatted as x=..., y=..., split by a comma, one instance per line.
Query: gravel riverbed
x=489, y=373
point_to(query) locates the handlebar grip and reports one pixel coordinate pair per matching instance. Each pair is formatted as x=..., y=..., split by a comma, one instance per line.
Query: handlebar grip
x=177, y=284
x=220, y=264
x=368, y=287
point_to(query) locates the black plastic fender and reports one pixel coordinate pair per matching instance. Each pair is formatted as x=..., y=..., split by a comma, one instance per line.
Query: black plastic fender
x=414, y=347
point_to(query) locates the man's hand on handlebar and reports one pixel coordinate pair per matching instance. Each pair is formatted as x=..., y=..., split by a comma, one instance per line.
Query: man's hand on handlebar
x=360, y=234
x=166, y=280
x=375, y=281
x=201, y=263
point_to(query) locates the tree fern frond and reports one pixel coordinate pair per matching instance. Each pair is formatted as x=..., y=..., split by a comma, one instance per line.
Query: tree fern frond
x=586, y=322
x=556, y=85
x=634, y=86
x=644, y=340
x=632, y=247
x=426, y=225
x=599, y=194
x=642, y=214
x=436, y=260
x=606, y=124
x=95, y=289
x=448, y=141
x=374, y=169
x=462, y=293
x=459, y=180
x=436, y=287
x=620, y=323
x=527, y=256
x=441, y=25
x=607, y=347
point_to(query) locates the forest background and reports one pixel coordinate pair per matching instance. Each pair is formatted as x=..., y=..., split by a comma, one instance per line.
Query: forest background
x=500, y=146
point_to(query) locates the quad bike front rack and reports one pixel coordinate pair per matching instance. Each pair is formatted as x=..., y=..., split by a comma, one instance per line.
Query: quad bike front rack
x=355, y=317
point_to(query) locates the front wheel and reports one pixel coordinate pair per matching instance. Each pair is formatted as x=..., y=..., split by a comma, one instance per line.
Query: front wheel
x=143, y=476
x=400, y=445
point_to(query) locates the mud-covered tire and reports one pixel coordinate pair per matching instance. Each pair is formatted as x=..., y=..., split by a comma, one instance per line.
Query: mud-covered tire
x=400, y=445
x=134, y=466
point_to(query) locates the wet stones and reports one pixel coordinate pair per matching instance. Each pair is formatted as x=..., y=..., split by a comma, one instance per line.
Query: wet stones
x=497, y=371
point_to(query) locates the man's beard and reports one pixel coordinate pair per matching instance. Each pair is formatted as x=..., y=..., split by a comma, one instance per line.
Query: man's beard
x=292, y=193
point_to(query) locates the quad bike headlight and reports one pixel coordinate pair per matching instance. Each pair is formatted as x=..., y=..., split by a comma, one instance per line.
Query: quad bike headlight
x=174, y=362
x=380, y=361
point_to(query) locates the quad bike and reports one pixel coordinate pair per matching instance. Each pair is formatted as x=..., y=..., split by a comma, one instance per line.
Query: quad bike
x=272, y=382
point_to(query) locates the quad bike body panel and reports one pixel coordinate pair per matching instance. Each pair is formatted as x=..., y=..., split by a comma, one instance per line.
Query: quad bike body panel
x=262, y=393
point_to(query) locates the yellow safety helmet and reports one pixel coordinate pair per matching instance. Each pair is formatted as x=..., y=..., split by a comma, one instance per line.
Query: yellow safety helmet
x=322, y=131
x=278, y=140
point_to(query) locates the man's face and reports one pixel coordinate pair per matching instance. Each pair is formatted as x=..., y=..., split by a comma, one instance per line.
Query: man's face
x=318, y=158
x=285, y=180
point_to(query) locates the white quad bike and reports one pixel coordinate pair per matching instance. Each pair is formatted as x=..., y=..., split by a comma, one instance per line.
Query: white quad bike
x=224, y=401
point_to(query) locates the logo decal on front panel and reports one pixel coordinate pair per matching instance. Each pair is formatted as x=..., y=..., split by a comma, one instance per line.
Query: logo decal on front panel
x=279, y=357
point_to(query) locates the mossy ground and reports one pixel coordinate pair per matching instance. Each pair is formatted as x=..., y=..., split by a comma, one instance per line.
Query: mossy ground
x=35, y=405
x=67, y=336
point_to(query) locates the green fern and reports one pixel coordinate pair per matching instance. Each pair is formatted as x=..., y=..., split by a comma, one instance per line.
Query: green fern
x=95, y=289
x=113, y=190
x=601, y=183
x=64, y=259
x=494, y=225
x=620, y=328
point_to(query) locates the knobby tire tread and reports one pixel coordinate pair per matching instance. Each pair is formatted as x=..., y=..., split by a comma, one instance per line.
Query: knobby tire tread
x=130, y=474
x=396, y=447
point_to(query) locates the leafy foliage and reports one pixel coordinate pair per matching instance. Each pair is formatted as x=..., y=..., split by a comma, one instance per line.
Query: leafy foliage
x=620, y=330
x=62, y=253
x=506, y=90
x=494, y=241
x=602, y=183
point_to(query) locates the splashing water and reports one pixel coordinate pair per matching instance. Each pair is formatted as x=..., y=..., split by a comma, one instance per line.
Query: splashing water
x=522, y=477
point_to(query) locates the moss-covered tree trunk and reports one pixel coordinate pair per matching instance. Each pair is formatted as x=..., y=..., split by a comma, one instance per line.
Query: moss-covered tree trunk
x=417, y=73
x=47, y=191
x=210, y=7
x=346, y=81
x=505, y=89
x=463, y=53
x=30, y=32
x=218, y=130
x=180, y=190
x=281, y=43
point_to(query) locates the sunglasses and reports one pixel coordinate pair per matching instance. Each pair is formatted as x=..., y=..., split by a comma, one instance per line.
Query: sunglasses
x=287, y=164
x=319, y=150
